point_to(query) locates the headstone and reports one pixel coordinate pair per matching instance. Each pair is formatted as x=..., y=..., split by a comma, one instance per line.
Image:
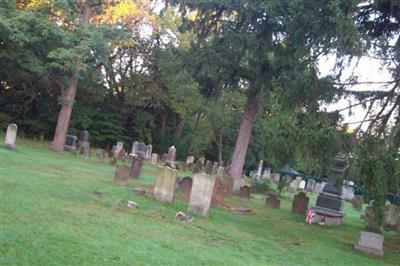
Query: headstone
x=293, y=186
x=300, y=203
x=164, y=187
x=70, y=143
x=149, y=151
x=201, y=195
x=185, y=185
x=118, y=147
x=319, y=187
x=100, y=154
x=220, y=171
x=170, y=160
x=136, y=167
x=154, y=158
x=357, y=202
x=272, y=202
x=208, y=167
x=121, y=155
x=392, y=213
x=214, y=168
x=258, y=174
x=198, y=167
x=189, y=163
x=83, y=143
x=310, y=185
x=219, y=192
x=11, y=136
x=141, y=150
x=370, y=243
x=202, y=160
x=245, y=192
x=121, y=175
x=348, y=192
x=302, y=184
x=221, y=163
x=135, y=146
x=267, y=173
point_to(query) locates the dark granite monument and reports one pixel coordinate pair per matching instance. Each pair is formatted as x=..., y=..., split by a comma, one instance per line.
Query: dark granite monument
x=329, y=201
x=70, y=143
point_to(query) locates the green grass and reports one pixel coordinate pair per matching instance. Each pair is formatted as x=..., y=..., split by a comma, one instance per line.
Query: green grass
x=49, y=216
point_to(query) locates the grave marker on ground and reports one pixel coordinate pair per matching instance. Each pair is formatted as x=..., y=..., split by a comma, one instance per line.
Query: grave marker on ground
x=201, y=195
x=300, y=203
x=370, y=243
x=164, y=187
x=11, y=136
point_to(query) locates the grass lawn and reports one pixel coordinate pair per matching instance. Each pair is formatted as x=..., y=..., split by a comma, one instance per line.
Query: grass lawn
x=49, y=217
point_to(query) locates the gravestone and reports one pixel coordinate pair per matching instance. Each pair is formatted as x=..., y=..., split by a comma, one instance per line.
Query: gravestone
x=221, y=163
x=141, y=150
x=357, y=202
x=267, y=173
x=118, y=147
x=310, y=185
x=154, y=158
x=245, y=192
x=136, y=167
x=201, y=195
x=258, y=174
x=189, y=163
x=135, y=146
x=392, y=213
x=70, y=143
x=164, y=187
x=273, y=202
x=83, y=143
x=219, y=192
x=370, y=243
x=300, y=203
x=293, y=186
x=208, y=167
x=170, y=160
x=214, y=168
x=202, y=160
x=198, y=167
x=100, y=154
x=121, y=175
x=302, y=184
x=329, y=201
x=220, y=171
x=121, y=155
x=185, y=185
x=319, y=187
x=149, y=151
x=347, y=191
x=11, y=136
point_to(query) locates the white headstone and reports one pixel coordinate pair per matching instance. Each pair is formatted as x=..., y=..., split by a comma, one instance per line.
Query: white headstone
x=154, y=158
x=302, y=184
x=149, y=151
x=11, y=136
x=135, y=146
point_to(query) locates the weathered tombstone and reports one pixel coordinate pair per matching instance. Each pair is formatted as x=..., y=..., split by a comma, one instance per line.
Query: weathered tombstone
x=121, y=155
x=258, y=174
x=370, y=243
x=273, y=202
x=135, y=145
x=154, y=158
x=219, y=192
x=141, y=150
x=164, y=157
x=202, y=160
x=70, y=143
x=121, y=175
x=319, y=187
x=164, y=187
x=348, y=190
x=392, y=213
x=149, y=151
x=310, y=185
x=136, y=167
x=198, y=167
x=170, y=160
x=221, y=163
x=189, y=163
x=83, y=143
x=208, y=167
x=220, y=171
x=300, y=203
x=201, y=195
x=302, y=184
x=293, y=186
x=357, y=203
x=245, y=192
x=118, y=147
x=214, y=168
x=11, y=136
x=100, y=155
x=185, y=185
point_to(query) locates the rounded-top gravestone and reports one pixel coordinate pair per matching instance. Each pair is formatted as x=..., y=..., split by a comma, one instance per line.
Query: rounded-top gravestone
x=11, y=136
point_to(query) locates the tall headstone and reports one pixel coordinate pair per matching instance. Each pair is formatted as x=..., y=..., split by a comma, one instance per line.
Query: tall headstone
x=11, y=136
x=214, y=168
x=201, y=195
x=149, y=151
x=258, y=175
x=70, y=143
x=164, y=187
x=135, y=146
x=118, y=147
x=141, y=150
x=154, y=158
x=170, y=160
x=329, y=201
x=208, y=167
x=300, y=203
x=189, y=163
x=370, y=243
x=136, y=167
x=310, y=185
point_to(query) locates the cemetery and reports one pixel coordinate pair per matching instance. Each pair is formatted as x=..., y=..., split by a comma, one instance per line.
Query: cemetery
x=179, y=132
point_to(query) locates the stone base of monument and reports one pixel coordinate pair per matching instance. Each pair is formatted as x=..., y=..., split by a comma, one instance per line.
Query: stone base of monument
x=370, y=243
x=164, y=187
x=327, y=216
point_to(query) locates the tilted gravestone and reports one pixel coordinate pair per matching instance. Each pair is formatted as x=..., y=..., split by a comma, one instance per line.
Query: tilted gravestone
x=370, y=243
x=164, y=187
x=154, y=158
x=11, y=136
x=121, y=175
x=136, y=167
x=300, y=203
x=245, y=192
x=273, y=202
x=201, y=195
x=70, y=143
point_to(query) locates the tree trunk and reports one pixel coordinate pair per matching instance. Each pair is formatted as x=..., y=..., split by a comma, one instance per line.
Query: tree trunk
x=242, y=141
x=220, y=144
x=68, y=95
